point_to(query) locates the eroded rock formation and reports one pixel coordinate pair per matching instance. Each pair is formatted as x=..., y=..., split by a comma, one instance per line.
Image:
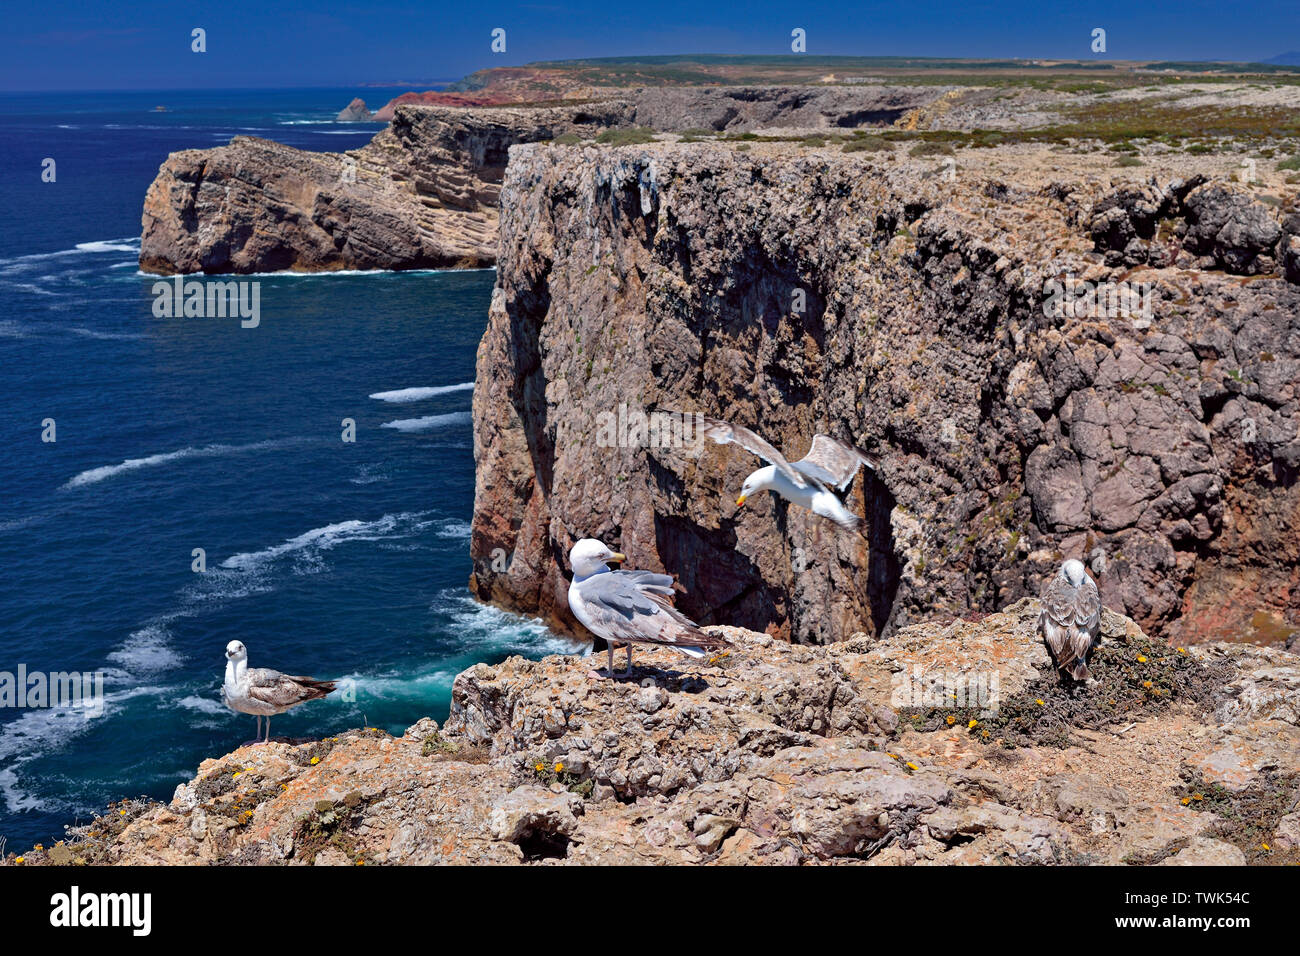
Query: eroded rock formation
x=421, y=194
x=1159, y=443
x=776, y=754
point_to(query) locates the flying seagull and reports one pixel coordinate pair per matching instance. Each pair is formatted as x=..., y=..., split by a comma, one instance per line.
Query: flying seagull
x=817, y=481
x=1071, y=618
x=630, y=607
x=262, y=691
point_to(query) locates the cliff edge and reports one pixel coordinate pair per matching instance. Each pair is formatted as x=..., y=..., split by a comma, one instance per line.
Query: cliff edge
x=950, y=742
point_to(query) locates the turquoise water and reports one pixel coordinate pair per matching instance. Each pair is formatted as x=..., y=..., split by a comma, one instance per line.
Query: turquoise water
x=328, y=558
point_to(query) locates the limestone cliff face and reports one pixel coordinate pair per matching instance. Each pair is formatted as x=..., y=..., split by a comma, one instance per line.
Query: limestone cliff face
x=1161, y=449
x=421, y=194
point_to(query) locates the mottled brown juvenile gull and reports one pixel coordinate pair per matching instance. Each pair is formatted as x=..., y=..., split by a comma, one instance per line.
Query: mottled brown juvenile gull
x=630, y=607
x=817, y=481
x=263, y=692
x=1071, y=618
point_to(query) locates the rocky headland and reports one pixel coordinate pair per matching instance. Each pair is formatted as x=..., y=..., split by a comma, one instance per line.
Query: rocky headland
x=947, y=742
x=422, y=194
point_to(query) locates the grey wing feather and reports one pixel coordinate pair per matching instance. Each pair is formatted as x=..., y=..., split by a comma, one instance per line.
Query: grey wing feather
x=1087, y=606
x=1070, y=620
x=284, y=690
x=724, y=433
x=833, y=463
x=625, y=611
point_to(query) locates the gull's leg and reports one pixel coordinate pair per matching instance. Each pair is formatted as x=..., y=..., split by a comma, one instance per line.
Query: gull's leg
x=268, y=730
x=628, y=672
x=610, y=647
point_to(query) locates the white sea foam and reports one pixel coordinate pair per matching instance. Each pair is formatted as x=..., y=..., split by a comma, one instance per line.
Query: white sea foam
x=96, y=334
x=482, y=627
x=403, y=395
x=103, y=472
x=146, y=652
x=110, y=245
x=428, y=422
x=203, y=705
x=40, y=731
x=455, y=529
x=324, y=538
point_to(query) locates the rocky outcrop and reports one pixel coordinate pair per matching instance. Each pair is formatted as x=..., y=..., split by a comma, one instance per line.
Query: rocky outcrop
x=1018, y=419
x=950, y=742
x=421, y=194
x=741, y=109
x=355, y=112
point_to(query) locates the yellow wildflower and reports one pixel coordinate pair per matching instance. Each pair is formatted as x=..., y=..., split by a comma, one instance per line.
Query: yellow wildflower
x=1186, y=800
x=558, y=766
x=912, y=765
x=19, y=859
x=1040, y=702
x=1146, y=684
x=1182, y=651
x=1197, y=796
x=539, y=766
x=1264, y=846
x=315, y=761
x=951, y=720
x=973, y=724
x=1142, y=659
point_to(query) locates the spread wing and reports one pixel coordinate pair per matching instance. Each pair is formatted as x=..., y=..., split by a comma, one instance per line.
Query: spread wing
x=283, y=690
x=724, y=433
x=632, y=607
x=832, y=463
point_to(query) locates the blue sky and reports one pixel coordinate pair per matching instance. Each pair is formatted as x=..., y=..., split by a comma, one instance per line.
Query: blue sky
x=145, y=44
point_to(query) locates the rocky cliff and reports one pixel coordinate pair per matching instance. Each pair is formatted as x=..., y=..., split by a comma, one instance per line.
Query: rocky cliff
x=904, y=303
x=421, y=194
x=951, y=742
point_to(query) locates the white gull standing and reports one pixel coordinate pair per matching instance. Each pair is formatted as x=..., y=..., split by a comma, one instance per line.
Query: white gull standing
x=817, y=481
x=630, y=607
x=263, y=692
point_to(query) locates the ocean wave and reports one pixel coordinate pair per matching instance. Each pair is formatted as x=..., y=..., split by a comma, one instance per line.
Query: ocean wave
x=104, y=472
x=16, y=263
x=451, y=528
x=403, y=395
x=113, y=336
x=110, y=245
x=428, y=422
x=41, y=731
x=329, y=536
x=482, y=627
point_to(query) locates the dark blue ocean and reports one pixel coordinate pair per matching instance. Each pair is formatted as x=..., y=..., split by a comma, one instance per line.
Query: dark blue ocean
x=325, y=558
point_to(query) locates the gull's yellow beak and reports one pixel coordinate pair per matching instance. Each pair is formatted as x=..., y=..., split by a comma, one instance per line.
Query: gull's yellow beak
x=740, y=502
x=618, y=558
